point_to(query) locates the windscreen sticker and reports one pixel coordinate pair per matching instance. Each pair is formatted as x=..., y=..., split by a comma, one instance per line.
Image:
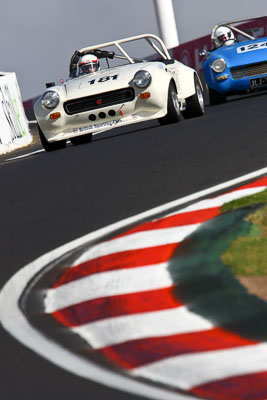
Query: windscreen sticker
x=252, y=47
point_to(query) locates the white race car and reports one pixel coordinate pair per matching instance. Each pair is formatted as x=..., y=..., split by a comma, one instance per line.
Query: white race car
x=130, y=91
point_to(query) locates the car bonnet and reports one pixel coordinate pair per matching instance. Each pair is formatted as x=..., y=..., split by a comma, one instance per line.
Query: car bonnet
x=105, y=80
x=242, y=53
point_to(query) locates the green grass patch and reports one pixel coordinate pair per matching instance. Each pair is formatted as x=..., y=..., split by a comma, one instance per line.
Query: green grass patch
x=247, y=255
x=245, y=201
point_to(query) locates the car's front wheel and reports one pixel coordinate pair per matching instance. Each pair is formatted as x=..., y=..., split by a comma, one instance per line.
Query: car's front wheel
x=50, y=146
x=173, y=107
x=195, y=103
x=81, y=139
x=216, y=97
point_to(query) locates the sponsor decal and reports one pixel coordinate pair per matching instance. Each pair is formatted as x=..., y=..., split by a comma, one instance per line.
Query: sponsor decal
x=252, y=47
x=107, y=123
x=95, y=126
x=81, y=129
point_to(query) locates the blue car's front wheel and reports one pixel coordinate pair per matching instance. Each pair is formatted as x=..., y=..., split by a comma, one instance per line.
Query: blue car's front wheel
x=216, y=97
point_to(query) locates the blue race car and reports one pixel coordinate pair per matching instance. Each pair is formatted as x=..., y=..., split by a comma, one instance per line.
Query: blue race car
x=237, y=63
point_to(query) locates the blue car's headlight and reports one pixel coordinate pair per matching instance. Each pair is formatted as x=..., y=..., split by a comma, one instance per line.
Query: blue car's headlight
x=142, y=79
x=218, y=65
x=50, y=99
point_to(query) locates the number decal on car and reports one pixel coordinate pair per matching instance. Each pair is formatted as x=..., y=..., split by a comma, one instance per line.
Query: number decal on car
x=104, y=79
x=251, y=47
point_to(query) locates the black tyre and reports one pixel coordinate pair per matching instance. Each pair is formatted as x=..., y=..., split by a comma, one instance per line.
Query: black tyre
x=173, y=114
x=216, y=97
x=50, y=146
x=81, y=139
x=195, y=103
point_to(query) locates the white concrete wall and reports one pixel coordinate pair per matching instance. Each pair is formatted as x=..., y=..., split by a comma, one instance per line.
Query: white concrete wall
x=14, y=127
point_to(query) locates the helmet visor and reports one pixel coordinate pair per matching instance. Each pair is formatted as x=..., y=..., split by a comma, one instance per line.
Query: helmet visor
x=223, y=38
x=89, y=67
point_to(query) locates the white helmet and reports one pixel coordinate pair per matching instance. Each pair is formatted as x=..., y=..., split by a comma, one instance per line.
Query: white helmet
x=222, y=36
x=88, y=64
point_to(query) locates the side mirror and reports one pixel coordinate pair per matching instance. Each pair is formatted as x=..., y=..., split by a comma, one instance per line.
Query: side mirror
x=203, y=53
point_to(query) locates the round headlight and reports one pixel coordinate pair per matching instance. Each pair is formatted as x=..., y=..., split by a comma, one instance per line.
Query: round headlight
x=50, y=99
x=142, y=79
x=218, y=65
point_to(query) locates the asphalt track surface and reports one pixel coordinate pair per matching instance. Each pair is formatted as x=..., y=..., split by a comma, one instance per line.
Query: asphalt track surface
x=48, y=199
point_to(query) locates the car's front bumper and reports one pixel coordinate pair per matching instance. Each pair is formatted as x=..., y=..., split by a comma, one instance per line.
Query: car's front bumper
x=68, y=126
x=225, y=83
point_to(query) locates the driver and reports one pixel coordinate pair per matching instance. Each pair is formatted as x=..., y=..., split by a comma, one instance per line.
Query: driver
x=222, y=36
x=88, y=64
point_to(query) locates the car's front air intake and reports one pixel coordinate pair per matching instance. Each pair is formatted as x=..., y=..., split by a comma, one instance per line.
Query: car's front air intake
x=249, y=70
x=101, y=100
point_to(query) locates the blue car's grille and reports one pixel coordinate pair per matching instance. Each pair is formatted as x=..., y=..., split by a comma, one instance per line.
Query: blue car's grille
x=249, y=70
x=89, y=103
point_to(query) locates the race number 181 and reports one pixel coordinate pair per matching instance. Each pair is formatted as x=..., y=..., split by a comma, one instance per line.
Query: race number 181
x=104, y=79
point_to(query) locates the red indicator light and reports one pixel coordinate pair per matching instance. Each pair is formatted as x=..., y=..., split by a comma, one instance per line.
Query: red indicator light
x=145, y=95
x=55, y=115
x=99, y=101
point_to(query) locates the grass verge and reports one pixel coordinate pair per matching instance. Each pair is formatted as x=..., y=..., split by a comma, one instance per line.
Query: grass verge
x=247, y=256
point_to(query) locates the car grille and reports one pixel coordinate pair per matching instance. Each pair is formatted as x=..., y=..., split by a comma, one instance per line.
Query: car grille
x=107, y=99
x=249, y=70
